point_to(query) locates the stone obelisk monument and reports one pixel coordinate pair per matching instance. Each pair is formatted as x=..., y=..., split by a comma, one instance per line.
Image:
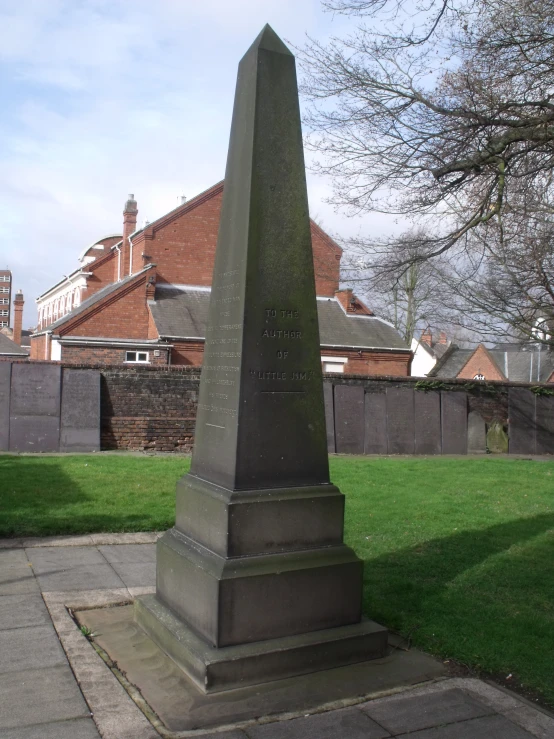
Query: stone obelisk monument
x=254, y=583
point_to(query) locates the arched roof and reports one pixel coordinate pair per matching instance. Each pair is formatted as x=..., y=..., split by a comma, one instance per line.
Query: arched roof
x=107, y=236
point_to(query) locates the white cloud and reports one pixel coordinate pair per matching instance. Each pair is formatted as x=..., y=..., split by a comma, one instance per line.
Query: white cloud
x=102, y=98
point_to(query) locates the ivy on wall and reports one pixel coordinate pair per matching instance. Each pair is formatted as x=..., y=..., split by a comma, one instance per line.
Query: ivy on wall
x=470, y=387
x=541, y=390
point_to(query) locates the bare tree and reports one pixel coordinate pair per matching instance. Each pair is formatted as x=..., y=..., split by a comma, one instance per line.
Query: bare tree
x=410, y=297
x=502, y=284
x=443, y=115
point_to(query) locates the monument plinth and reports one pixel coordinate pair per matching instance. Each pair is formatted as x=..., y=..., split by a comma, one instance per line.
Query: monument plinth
x=254, y=583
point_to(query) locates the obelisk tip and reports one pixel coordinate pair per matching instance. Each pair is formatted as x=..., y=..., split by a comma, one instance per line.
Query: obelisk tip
x=269, y=41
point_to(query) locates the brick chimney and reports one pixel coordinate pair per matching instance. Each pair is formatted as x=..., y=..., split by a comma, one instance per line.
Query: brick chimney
x=151, y=287
x=442, y=338
x=130, y=213
x=18, y=303
x=427, y=337
x=346, y=299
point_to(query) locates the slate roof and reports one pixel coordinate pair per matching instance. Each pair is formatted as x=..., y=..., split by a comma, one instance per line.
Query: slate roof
x=451, y=362
x=182, y=313
x=25, y=336
x=439, y=350
x=336, y=328
x=519, y=363
x=436, y=350
x=10, y=348
x=103, y=293
x=525, y=365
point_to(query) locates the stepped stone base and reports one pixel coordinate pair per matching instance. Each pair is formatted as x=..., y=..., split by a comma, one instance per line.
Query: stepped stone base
x=217, y=669
x=230, y=601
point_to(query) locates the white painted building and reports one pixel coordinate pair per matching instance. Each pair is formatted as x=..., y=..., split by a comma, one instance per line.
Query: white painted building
x=427, y=353
x=70, y=292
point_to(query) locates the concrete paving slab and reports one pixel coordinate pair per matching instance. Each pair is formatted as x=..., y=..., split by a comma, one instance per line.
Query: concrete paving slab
x=137, y=592
x=12, y=557
x=17, y=579
x=528, y=717
x=61, y=619
x=487, y=727
x=17, y=611
x=83, y=728
x=29, y=649
x=129, y=553
x=112, y=726
x=87, y=598
x=400, y=715
x=82, y=577
x=34, y=696
x=11, y=543
x=140, y=537
x=348, y=722
x=493, y=697
x=54, y=559
x=136, y=575
x=238, y=734
x=58, y=541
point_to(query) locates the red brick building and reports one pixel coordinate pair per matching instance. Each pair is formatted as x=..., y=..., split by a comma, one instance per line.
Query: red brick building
x=515, y=362
x=142, y=297
x=18, y=341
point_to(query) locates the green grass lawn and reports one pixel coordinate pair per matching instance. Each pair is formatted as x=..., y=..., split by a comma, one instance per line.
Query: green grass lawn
x=459, y=553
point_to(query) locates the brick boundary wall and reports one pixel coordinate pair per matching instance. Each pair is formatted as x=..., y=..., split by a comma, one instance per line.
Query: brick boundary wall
x=149, y=408
x=154, y=408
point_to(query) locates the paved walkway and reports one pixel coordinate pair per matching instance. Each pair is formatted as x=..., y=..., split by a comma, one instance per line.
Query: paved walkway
x=53, y=685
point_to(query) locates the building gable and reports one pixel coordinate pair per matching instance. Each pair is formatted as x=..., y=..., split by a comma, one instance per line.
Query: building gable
x=480, y=365
x=182, y=244
x=120, y=313
x=103, y=272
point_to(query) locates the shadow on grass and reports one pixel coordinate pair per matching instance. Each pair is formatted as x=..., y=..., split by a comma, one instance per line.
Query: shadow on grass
x=42, y=495
x=427, y=569
x=485, y=598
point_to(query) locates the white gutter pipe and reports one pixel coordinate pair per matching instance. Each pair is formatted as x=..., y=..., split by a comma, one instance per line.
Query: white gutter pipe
x=118, y=263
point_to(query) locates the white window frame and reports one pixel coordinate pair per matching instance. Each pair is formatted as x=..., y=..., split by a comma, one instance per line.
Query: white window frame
x=55, y=351
x=4, y=289
x=479, y=376
x=4, y=312
x=5, y=278
x=4, y=301
x=337, y=364
x=137, y=353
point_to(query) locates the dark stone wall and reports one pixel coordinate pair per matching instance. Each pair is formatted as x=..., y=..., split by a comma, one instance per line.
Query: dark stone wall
x=154, y=408
x=490, y=399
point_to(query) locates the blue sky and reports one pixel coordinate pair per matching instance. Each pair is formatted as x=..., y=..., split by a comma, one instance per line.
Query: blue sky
x=102, y=98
